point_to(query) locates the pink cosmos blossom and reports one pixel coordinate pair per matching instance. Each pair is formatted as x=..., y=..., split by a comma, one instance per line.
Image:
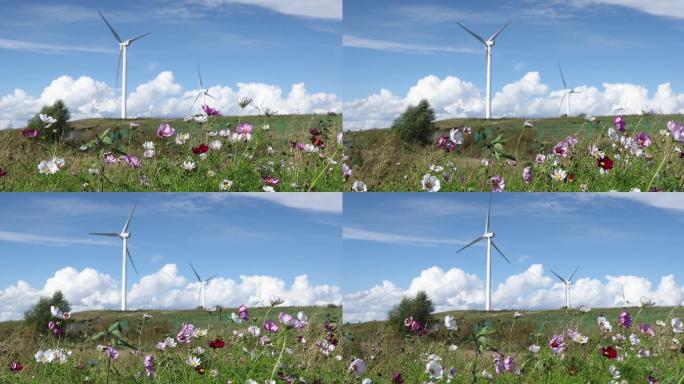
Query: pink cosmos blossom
x=527, y=175
x=132, y=161
x=244, y=128
x=111, y=352
x=498, y=183
x=540, y=158
x=557, y=344
x=149, y=365
x=210, y=111
x=271, y=326
x=243, y=313
x=620, y=123
x=572, y=140
x=646, y=329
x=676, y=130
x=165, y=130
x=643, y=139
x=625, y=320
x=186, y=333
x=109, y=158
x=561, y=149
x=30, y=133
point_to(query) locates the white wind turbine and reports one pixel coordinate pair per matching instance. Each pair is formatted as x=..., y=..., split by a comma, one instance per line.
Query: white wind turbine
x=567, y=93
x=124, y=236
x=123, y=58
x=567, y=282
x=490, y=243
x=203, y=285
x=202, y=91
x=489, y=45
x=622, y=108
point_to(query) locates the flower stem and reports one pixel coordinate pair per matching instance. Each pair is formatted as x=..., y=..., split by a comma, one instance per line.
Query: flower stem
x=275, y=367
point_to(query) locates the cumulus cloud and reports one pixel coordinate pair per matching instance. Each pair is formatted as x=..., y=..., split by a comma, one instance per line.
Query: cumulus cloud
x=316, y=9
x=530, y=289
x=452, y=97
x=159, y=97
x=89, y=289
x=667, y=8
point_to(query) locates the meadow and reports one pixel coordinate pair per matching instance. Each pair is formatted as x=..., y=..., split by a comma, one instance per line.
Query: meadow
x=230, y=345
x=644, y=153
x=628, y=345
x=206, y=153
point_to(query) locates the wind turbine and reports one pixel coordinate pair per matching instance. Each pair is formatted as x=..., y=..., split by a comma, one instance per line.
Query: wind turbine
x=567, y=282
x=203, y=284
x=490, y=243
x=489, y=44
x=625, y=303
x=202, y=91
x=567, y=93
x=124, y=236
x=622, y=108
x=123, y=57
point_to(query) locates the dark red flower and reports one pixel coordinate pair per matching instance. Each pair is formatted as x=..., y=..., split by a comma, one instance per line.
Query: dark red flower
x=272, y=181
x=203, y=148
x=397, y=378
x=218, y=343
x=317, y=141
x=605, y=163
x=609, y=352
x=16, y=366
x=2, y=172
x=30, y=133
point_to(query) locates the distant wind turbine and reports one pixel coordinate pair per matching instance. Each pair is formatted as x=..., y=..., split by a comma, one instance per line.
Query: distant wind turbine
x=489, y=45
x=202, y=91
x=567, y=282
x=623, y=107
x=625, y=303
x=124, y=236
x=567, y=93
x=489, y=236
x=203, y=284
x=123, y=58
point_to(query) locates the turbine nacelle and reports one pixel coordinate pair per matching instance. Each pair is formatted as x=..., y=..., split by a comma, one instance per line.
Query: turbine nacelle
x=125, y=235
x=490, y=43
x=488, y=235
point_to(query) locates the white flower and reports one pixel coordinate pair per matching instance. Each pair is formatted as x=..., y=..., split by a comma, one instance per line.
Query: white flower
x=430, y=183
x=266, y=127
x=200, y=118
x=93, y=171
x=614, y=372
x=436, y=168
x=635, y=190
x=634, y=339
x=359, y=186
x=203, y=156
x=47, y=120
x=534, y=348
x=677, y=326
x=268, y=188
x=181, y=138
x=216, y=144
x=225, y=185
x=244, y=101
x=193, y=361
x=486, y=375
x=485, y=162
x=366, y=381
x=170, y=342
x=47, y=167
x=254, y=330
x=310, y=148
x=604, y=324
x=456, y=135
x=83, y=148
x=434, y=369
x=148, y=145
x=224, y=132
x=559, y=174
x=198, y=351
x=580, y=339
x=357, y=366
x=59, y=161
x=450, y=323
x=612, y=133
x=200, y=332
x=453, y=348
x=188, y=165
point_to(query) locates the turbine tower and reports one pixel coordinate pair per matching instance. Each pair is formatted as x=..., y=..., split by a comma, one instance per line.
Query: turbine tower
x=203, y=284
x=124, y=236
x=123, y=58
x=489, y=45
x=202, y=91
x=567, y=93
x=567, y=282
x=489, y=236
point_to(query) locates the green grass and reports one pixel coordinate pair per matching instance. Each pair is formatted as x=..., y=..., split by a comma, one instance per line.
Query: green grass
x=385, y=350
x=243, y=358
x=384, y=164
x=268, y=153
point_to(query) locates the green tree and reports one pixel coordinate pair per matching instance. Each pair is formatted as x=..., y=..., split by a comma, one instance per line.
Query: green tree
x=39, y=315
x=59, y=129
x=419, y=307
x=415, y=125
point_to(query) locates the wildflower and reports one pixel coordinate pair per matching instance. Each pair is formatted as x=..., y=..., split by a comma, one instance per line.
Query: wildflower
x=467, y=130
x=609, y=352
x=528, y=124
x=625, y=320
x=634, y=339
x=243, y=312
x=604, y=324
x=254, y=330
x=111, y=352
x=193, y=361
x=676, y=131
x=271, y=326
x=15, y=366
x=486, y=375
x=561, y=149
x=643, y=139
x=540, y=158
x=2, y=172
x=346, y=171
x=340, y=138
x=188, y=165
x=557, y=344
x=366, y=381
x=456, y=136
x=357, y=366
x=210, y=111
x=132, y=161
x=430, y=183
x=165, y=130
x=47, y=120
x=56, y=312
x=359, y=186
x=605, y=163
x=30, y=133
x=646, y=329
x=620, y=123
x=148, y=363
x=498, y=183
x=186, y=333
x=677, y=326
x=397, y=378
x=52, y=355
x=244, y=128
x=202, y=148
x=434, y=369
x=216, y=144
x=225, y=185
x=276, y=300
x=182, y=138
x=559, y=174
x=534, y=348
x=484, y=162
x=272, y=181
x=450, y=323
x=55, y=328
x=48, y=167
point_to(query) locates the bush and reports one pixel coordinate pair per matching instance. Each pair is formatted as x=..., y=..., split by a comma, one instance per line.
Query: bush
x=415, y=125
x=419, y=307
x=40, y=314
x=58, y=130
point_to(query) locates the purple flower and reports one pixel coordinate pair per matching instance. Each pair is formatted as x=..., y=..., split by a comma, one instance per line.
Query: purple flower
x=346, y=170
x=540, y=158
x=527, y=175
x=498, y=183
x=271, y=326
x=414, y=326
x=55, y=328
x=286, y=319
x=149, y=153
x=572, y=140
x=561, y=149
x=165, y=130
x=210, y=111
x=397, y=378
x=272, y=181
x=467, y=130
x=30, y=133
x=676, y=130
x=557, y=344
x=186, y=333
x=111, y=352
x=149, y=365
x=625, y=319
x=144, y=181
x=243, y=313
x=620, y=123
x=643, y=139
x=503, y=365
x=646, y=329
x=132, y=161
x=244, y=128
x=109, y=158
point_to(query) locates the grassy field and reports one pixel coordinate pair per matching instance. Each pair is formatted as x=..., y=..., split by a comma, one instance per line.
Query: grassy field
x=288, y=354
x=383, y=163
x=386, y=351
x=250, y=165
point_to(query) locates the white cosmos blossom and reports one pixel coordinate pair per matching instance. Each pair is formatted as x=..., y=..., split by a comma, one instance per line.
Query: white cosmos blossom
x=677, y=326
x=559, y=174
x=604, y=324
x=434, y=369
x=359, y=186
x=47, y=120
x=47, y=167
x=188, y=165
x=193, y=361
x=181, y=138
x=357, y=366
x=456, y=135
x=226, y=185
x=148, y=145
x=430, y=183
x=216, y=144
x=268, y=188
x=450, y=323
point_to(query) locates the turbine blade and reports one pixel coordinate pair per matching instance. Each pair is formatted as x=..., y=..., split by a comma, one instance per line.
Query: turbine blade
x=139, y=37
x=209, y=94
x=471, y=243
x=195, y=101
x=558, y=276
x=573, y=274
x=116, y=35
x=210, y=277
x=196, y=274
x=561, y=103
x=199, y=74
x=110, y=234
x=489, y=209
x=118, y=66
x=494, y=36
x=130, y=258
x=500, y=253
x=475, y=35
x=128, y=221
x=562, y=77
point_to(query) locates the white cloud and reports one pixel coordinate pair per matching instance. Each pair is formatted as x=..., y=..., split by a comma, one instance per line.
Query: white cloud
x=159, y=97
x=351, y=41
x=452, y=97
x=667, y=8
x=321, y=202
x=49, y=241
x=530, y=289
x=30, y=46
x=351, y=233
x=89, y=289
x=317, y=9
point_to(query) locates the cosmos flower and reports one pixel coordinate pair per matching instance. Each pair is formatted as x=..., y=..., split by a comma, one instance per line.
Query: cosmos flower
x=132, y=161
x=30, y=133
x=218, y=343
x=346, y=171
x=188, y=165
x=2, y=172
x=397, y=378
x=244, y=128
x=271, y=181
x=467, y=130
x=254, y=330
x=604, y=324
x=358, y=367
x=243, y=312
x=271, y=326
x=202, y=148
x=561, y=149
x=210, y=111
x=559, y=174
x=148, y=145
x=58, y=313
x=186, y=333
x=47, y=120
x=620, y=123
x=47, y=167
x=434, y=369
x=193, y=361
x=534, y=348
x=430, y=183
x=165, y=130
x=540, y=158
x=111, y=352
x=609, y=352
x=557, y=344
x=571, y=140
x=646, y=329
x=359, y=186
x=677, y=326
x=498, y=183
x=216, y=144
x=450, y=323
x=15, y=366
x=456, y=136
x=148, y=363
x=182, y=138
x=676, y=131
x=625, y=320
x=225, y=185
x=244, y=101
x=643, y=139
x=605, y=163
x=55, y=328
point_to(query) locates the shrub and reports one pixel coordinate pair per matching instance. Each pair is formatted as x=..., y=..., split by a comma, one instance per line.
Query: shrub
x=59, y=129
x=419, y=307
x=415, y=125
x=40, y=314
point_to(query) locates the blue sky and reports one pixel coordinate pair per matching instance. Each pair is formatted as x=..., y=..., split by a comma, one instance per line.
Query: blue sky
x=282, y=236
x=232, y=42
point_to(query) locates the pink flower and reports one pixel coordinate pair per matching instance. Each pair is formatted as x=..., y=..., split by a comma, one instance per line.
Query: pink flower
x=540, y=158
x=149, y=365
x=271, y=326
x=498, y=183
x=111, y=353
x=186, y=333
x=165, y=130
x=210, y=111
x=676, y=130
x=132, y=161
x=30, y=133
x=625, y=320
x=244, y=128
x=561, y=149
x=527, y=175
x=572, y=140
x=243, y=313
x=55, y=328
x=557, y=344
x=620, y=123
x=643, y=139
x=109, y=158
x=646, y=329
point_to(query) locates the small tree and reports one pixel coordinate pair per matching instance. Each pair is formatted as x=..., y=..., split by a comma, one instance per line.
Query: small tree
x=40, y=314
x=415, y=125
x=60, y=128
x=419, y=307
